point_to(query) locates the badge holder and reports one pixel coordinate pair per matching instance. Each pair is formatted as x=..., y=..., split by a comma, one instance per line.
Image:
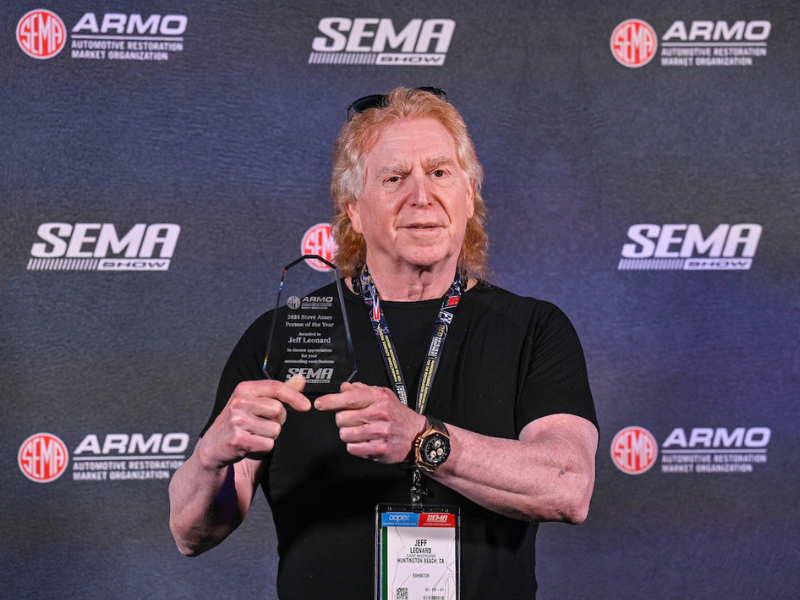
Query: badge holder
x=417, y=552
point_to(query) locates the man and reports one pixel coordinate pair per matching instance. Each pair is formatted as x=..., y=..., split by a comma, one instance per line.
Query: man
x=510, y=389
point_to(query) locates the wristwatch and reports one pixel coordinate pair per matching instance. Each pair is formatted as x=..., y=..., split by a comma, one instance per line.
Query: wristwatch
x=432, y=446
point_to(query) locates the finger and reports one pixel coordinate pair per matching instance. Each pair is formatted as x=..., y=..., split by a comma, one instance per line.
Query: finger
x=367, y=450
x=363, y=432
x=268, y=409
x=256, y=432
x=355, y=385
x=352, y=418
x=297, y=382
x=258, y=445
x=346, y=400
x=288, y=394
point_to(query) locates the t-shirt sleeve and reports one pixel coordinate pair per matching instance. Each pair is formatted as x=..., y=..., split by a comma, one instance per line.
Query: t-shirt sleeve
x=555, y=378
x=244, y=364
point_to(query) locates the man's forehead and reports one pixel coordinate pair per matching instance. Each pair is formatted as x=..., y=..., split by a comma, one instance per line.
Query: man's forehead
x=413, y=139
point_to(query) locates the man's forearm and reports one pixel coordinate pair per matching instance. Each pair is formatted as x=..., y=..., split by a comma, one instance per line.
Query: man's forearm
x=547, y=475
x=205, y=506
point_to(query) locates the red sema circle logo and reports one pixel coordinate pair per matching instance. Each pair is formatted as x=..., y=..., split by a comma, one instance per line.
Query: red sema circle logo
x=634, y=450
x=41, y=34
x=634, y=43
x=318, y=240
x=43, y=457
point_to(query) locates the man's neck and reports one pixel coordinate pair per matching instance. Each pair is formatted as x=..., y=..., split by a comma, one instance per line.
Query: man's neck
x=411, y=284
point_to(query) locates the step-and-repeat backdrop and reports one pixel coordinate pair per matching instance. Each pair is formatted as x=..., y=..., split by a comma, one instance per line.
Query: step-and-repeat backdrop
x=161, y=161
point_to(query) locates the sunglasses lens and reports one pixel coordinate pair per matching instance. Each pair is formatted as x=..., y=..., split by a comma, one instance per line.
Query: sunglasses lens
x=379, y=100
x=368, y=102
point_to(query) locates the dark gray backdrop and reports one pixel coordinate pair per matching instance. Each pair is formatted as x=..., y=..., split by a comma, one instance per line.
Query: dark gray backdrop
x=230, y=139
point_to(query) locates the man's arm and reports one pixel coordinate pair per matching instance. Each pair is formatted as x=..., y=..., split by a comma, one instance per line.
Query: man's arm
x=207, y=502
x=547, y=474
x=210, y=494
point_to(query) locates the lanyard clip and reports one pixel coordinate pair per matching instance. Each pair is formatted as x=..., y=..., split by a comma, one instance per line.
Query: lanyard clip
x=418, y=489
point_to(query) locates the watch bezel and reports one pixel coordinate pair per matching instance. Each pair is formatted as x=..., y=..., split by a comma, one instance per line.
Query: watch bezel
x=436, y=431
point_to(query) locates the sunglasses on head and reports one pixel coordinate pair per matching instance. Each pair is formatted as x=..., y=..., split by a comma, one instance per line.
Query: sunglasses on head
x=379, y=100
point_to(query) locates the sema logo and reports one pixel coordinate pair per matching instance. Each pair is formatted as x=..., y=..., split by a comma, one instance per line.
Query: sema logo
x=43, y=457
x=98, y=247
x=634, y=43
x=421, y=42
x=684, y=247
x=111, y=36
x=41, y=34
x=322, y=375
x=634, y=450
x=318, y=240
x=437, y=520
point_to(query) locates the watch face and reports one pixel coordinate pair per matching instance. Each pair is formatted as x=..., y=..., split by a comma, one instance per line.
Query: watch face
x=435, y=449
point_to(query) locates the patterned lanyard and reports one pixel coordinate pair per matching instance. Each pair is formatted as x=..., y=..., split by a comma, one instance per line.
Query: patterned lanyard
x=381, y=328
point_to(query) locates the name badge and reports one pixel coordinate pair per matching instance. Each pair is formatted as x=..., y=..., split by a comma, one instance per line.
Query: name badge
x=417, y=553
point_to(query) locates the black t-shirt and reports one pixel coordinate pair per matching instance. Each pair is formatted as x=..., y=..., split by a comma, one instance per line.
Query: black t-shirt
x=507, y=361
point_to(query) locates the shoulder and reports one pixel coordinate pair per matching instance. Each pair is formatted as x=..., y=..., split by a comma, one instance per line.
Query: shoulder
x=533, y=313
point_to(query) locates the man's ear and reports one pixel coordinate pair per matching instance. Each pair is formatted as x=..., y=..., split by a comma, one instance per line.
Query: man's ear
x=355, y=218
x=471, y=200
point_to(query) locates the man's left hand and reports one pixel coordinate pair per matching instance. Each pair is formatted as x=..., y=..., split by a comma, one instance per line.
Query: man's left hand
x=373, y=422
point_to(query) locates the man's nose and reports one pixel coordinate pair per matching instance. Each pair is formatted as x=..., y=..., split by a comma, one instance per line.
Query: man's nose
x=419, y=192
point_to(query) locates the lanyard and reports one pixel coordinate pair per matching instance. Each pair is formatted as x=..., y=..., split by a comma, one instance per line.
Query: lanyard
x=370, y=294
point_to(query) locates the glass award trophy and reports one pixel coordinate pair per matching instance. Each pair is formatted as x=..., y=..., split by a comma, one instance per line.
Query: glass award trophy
x=310, y=335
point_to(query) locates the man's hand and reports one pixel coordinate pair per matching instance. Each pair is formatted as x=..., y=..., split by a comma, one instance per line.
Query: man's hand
x=251, y=421
x=373, y=422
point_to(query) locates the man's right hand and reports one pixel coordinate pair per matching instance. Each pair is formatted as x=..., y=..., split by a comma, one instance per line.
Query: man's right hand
x=251, y=421
x=211, y=493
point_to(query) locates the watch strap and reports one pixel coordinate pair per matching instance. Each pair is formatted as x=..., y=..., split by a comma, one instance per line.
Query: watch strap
x=436, y=423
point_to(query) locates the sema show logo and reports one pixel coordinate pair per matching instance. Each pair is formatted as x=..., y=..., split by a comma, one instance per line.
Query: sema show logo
x=418, y=43
x=635, y=450
x=684, y=247
x=44, y=457
x=99, y=247
x=634, y=43
x=318, y=240
x=103, y=36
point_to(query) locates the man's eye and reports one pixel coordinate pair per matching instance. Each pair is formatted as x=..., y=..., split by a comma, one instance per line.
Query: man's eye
x=439, y=173
x=393, y=179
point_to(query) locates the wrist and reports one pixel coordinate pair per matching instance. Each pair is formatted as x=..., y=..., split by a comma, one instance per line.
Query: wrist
x=205, y=459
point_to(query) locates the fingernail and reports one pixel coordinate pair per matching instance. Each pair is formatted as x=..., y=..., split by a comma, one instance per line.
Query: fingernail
x=297, y=382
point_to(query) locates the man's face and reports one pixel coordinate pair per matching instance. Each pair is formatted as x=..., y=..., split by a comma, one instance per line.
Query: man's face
x=416, y=201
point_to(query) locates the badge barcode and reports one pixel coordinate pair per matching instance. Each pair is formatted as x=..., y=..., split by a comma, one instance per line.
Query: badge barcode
x=433, y=598
x=401, y=594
